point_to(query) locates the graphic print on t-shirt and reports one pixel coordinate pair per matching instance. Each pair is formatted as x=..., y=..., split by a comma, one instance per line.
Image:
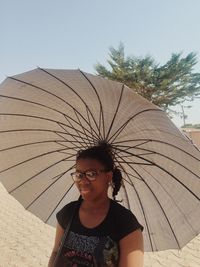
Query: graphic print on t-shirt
x=93, y=251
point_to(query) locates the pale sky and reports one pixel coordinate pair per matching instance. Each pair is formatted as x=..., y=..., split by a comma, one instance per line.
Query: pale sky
x=78, y=34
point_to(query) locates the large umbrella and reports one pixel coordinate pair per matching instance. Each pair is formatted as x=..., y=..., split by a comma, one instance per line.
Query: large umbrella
x=47, y=115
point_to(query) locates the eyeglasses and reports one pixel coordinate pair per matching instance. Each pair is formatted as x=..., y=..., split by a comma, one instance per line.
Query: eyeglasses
x=90, y=175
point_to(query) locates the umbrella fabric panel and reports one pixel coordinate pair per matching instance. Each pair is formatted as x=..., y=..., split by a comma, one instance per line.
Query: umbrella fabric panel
x=15, y=139
x=34, y=170
x=115, y=100
x=83, y=97
x=64, y=103
x=72, y=194
x=171, y=221
x=47, y=203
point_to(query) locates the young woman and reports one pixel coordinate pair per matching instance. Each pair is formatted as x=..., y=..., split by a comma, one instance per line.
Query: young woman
x=103, y=233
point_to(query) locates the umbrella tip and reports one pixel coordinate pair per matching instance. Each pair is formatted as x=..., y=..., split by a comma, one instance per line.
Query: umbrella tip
x=105, y=145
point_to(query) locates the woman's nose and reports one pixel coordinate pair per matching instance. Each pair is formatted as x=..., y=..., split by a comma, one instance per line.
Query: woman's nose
x=84, y=179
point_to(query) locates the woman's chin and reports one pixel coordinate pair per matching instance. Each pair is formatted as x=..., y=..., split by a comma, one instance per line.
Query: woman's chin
x=86, y=194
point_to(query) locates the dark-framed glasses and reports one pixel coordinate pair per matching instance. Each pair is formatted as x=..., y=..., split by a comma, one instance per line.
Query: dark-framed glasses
x=90, y=175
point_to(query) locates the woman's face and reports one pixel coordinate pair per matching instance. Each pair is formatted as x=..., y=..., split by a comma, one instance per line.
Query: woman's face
x=96, y=189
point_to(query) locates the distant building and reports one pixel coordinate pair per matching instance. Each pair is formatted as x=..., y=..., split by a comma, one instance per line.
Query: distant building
x=193, y=134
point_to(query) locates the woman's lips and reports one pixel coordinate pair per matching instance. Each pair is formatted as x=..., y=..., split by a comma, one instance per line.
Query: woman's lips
x=84, y=190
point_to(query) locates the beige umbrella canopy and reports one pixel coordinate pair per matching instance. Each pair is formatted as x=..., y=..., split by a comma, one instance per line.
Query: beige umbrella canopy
x=47, y=115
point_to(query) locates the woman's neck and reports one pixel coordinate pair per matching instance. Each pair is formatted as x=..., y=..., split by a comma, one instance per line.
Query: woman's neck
x=97, y=205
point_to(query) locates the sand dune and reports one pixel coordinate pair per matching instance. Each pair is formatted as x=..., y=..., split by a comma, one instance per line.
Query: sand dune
x=25, y=241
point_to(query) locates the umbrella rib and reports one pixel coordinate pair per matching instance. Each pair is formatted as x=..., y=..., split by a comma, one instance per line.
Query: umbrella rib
x=66, y=116
x=140, y=131
x=131, y=147
x=27, y=160
x=147, y=130
x=126, y=148
x=37, y=130
x=162, y=155
x=79, y=142
x=101, y=115
x=157, y=141
x=37, y=117
x=80, y=121
x=61, y=81
x=59, y=177
x=82, y=128
x=144, y=214
x=116, y=111
x=39, y=88
x=66, y=153
x=27, y=144
x=138, y=163
x=123, y=185
x=38, y=104
x=91, y=129
x=191, y=141
x=158, y=204
x=164, y=170
x=141, y=154
x=35, y=175
x=72, y=134
x=68, y=147
x=32, y=202
x=59, y=202
x=155, y=153
x=129, y=156
x=121, y=128
x=169, y=196
x=72, y=142
x=130, y=173
x=41, y=142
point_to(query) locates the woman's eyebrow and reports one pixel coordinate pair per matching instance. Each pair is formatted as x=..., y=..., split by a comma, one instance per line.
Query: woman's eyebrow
x=91, y=169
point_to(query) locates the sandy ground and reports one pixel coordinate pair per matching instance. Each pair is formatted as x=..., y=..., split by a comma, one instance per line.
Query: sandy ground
x=25, y=241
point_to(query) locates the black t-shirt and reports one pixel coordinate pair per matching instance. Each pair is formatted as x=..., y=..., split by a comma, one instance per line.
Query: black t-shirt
x=99, y=246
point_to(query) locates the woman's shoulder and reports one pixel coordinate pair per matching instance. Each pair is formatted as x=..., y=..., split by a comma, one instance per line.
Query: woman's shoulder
x=117, y=207
x=65, y=213
x=68, y=206
x=125, y=219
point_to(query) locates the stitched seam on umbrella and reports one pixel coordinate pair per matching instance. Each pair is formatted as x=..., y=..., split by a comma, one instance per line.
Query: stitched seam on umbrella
x=27, y=144
x=37, y=117
x=35, y=175
x=101, y=115
x=60, y=176
x=71, y=142
x=82, y=125
x=50, y=74
x=42, y=105
x=59, y=203
x=159, y=205
x=115, y=114
x=155, y=164
x=145, y=218
x=158, y=153
x=126, y=123
x=52, y=93
x=25, y=161
x=91, y=129
x=170, y=197
x=154, y=140
x=73, y=134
